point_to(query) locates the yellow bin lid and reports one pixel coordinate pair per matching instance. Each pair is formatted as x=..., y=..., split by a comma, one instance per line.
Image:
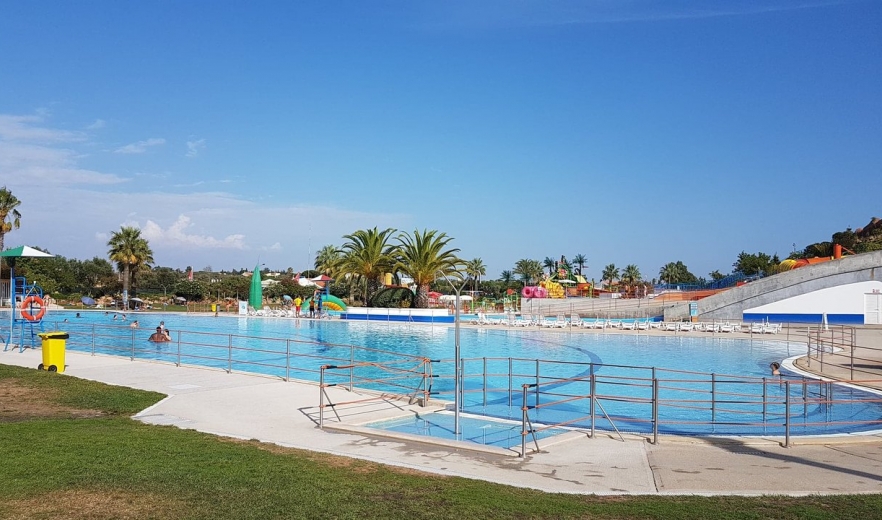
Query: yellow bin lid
x=57, y=334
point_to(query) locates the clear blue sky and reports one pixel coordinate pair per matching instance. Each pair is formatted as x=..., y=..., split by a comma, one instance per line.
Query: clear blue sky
x=629, y=131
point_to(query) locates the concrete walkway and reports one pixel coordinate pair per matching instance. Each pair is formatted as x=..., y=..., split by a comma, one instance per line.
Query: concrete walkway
x=264, y=408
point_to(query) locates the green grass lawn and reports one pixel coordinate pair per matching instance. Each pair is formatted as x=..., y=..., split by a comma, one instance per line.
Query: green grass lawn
x=70, y=450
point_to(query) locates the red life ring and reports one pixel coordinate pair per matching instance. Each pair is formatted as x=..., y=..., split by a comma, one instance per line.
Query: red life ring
x=28, y=303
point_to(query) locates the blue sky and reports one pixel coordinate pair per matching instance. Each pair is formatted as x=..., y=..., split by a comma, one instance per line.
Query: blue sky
x=629, y=131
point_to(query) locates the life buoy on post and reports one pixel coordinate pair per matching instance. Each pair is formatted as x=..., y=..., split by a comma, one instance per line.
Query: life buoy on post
x=26, y=308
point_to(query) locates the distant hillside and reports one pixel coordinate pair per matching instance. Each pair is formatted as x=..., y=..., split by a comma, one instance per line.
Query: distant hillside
x=860, y=240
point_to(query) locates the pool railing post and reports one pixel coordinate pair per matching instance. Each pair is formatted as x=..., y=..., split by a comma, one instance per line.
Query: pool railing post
x=786, y=414
x=804, y=398
x=287, y=360
x=537, y=383
x=509, y=382
x=179, y=348
x=524, y=422
x=765, y=398
x=351, y=365
x=229, y=353
x=322, y=397
x=133, y=344
x=713, y=398
x=654, y=410
x=485, y=381
x=593, y=391
x=93, y=339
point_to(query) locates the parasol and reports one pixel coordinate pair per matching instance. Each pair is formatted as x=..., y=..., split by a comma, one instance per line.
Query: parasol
x=87, y=301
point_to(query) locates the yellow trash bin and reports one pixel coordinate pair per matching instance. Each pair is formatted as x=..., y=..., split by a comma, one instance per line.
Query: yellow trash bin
x=53, y=350
x=213, y=307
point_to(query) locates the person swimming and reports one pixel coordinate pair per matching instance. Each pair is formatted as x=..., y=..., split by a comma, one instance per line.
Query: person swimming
x=158, y=336
x=776, y=368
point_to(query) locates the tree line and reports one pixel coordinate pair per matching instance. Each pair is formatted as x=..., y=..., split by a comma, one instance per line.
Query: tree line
x=361, y=263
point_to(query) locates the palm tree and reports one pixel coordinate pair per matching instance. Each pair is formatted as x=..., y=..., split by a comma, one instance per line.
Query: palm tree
x=610, y=272
x=327, y=260
x=529, y=270
x=549, y=264
x=423, y=257
x=8, y=203
x=506, y=277
x=675, y=272
x=475, y=269
x=580, y=260
x=631, y=275
x=367, y=255
x=130, y=252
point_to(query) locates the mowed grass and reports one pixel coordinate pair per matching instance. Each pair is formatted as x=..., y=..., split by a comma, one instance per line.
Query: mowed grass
x=68, y=449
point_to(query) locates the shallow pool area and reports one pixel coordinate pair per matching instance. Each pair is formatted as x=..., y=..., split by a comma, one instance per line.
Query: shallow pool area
x=479, y=430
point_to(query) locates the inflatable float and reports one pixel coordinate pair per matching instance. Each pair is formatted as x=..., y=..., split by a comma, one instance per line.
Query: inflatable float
x=329, y=302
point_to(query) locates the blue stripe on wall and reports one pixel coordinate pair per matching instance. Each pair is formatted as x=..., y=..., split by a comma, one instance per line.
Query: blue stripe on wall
x=377, y=317
x=832, y=319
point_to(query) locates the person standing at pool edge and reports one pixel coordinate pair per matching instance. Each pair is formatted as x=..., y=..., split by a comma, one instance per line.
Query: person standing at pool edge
x=312, y=308
x=297, y=303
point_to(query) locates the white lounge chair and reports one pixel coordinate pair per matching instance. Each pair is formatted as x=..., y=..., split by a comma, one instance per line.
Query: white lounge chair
x=755, y=328
x=771, y=328
x=629, y=325
x=686, y=326
x=575, y=320
x=643, y=325
x=671, y=326
x=525, y=320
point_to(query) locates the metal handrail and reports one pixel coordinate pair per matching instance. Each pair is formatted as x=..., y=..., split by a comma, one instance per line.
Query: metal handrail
x=732, y=399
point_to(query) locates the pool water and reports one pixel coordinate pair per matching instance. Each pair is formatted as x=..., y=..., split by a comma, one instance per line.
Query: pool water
x=485, y=431
x=489, y=355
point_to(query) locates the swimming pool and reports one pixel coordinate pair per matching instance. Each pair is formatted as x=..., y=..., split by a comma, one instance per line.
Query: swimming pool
x=497, y=362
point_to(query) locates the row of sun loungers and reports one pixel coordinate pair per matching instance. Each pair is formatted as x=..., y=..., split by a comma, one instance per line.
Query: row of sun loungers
x=561, y=321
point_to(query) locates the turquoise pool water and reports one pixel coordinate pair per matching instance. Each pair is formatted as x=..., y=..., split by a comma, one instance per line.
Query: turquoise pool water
x=282, y=347
x=484, y=431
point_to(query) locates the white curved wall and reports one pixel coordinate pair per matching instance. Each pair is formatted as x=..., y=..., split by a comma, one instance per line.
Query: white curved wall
x=842, y=304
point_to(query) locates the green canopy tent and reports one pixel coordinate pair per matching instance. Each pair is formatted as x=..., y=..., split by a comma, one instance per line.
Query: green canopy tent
x=10, y=255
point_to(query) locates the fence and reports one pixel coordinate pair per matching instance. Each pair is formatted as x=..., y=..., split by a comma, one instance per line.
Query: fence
x=541, y=393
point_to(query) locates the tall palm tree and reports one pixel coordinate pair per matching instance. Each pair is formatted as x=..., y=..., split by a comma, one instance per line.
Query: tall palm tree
x=130, y=252
x=475, y=269
x=549, y=264
x=580, y=260
x=631, y=275
x=610, y=272
x=529, y=270
x=506, y=277
x=10, y=218
x=367, y=255
x=423, y=256
x=675, y=272
x=327, y=260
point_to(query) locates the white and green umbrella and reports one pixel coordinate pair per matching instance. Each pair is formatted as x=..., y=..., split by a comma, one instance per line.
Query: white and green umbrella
x=25, y=251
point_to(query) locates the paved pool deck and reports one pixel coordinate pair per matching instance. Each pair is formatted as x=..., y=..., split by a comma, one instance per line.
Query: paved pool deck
x=268, y=409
